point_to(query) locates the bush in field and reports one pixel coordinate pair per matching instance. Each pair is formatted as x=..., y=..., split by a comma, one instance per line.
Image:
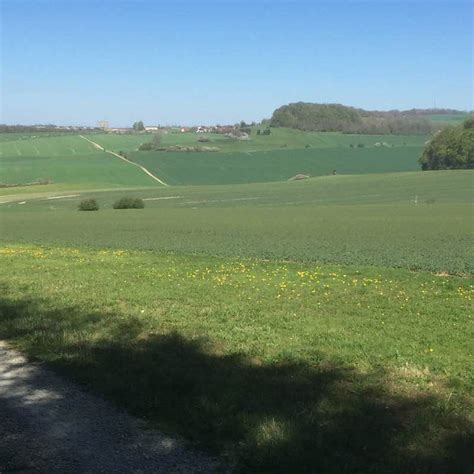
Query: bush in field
x=129, y=203
x=88, y=205
x=146, y=147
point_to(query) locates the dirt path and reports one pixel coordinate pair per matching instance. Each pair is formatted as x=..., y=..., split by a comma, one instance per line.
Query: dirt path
x=125, y=159
x=52, y=426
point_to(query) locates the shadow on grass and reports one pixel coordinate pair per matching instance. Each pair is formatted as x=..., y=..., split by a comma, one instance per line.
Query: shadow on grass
x=289, y=417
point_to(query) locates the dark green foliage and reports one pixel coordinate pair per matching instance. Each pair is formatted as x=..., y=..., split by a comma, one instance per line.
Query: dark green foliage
x=320, y=117
x=129, y=203
x=88, y=205
x=153, y=145
x=469, y=123
x=138, y=126
x=259, y=132
x=336, y=117
x=267, y=131
x=146, y=146
x=453, y=148
x=360, y=145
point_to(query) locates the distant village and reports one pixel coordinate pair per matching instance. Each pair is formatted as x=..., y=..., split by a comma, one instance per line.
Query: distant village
x=104, y=126
x=157, y=128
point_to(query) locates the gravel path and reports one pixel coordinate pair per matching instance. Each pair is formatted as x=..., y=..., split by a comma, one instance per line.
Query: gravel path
x=50, y=425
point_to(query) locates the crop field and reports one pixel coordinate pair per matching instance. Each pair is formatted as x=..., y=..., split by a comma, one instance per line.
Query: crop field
x=365, y=219
x=273, y=165
x=279, y=138
x=280, y=324
x=64, y=145
x=68, y=161
x=452, y=119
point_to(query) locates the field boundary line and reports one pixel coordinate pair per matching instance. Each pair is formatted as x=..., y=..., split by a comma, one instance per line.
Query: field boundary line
x=125, y=159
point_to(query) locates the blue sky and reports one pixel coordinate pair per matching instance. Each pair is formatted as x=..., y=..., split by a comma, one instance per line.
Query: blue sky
x=75, y=62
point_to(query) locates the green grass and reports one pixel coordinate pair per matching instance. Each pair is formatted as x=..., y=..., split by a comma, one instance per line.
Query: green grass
x=276, y=165
x=72, y=161
x=359, y=220
x=312, y=326
x=279, y=138
x=280, y=367
x=452, y=119
x=96, y=170
x=63, y=145
x=67, y=160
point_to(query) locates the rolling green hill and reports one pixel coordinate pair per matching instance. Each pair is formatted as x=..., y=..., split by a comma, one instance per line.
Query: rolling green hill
x=361, y=220
x=276, y=165
x=69, y=161
x=279, y=138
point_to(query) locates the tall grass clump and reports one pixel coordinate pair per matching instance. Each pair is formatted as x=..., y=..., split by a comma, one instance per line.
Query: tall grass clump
x=88, y=205
x=129, y=203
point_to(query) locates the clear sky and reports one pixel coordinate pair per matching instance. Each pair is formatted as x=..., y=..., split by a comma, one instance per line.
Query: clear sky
x=190, y=62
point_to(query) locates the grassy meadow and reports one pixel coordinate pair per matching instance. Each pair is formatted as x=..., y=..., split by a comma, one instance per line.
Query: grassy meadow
x=322, y=325
x=277, y=366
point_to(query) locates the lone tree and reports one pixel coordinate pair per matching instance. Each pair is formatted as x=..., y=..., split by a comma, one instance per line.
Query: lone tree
x=452, y=148
x=138, y=126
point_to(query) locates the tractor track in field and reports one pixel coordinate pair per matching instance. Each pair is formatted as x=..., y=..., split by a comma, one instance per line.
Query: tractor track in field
x=125, y=159
x=50, y=425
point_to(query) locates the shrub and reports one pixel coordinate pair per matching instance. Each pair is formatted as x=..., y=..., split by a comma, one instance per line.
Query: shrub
x=88, y=205
x=360, y=145
x=453, y=148
x=129, y=203
x=203, y=140
x=146, y=147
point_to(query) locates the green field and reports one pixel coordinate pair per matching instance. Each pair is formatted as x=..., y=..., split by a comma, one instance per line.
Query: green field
x=71, y=162
x=273, y=165
x=68, y=161
x=279, y=138
x=278, y=367
x=366, y=219
x=452, y=119
x=322, y=325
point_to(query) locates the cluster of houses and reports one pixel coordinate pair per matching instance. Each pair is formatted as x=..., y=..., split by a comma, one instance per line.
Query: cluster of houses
x=155, y=128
